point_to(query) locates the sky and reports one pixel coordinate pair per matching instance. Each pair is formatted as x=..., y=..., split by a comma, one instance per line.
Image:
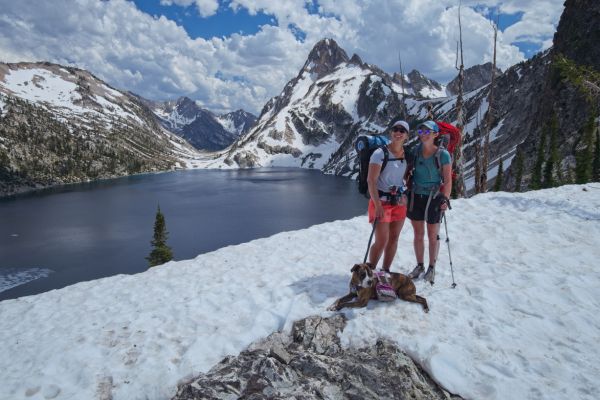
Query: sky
x=239, y=53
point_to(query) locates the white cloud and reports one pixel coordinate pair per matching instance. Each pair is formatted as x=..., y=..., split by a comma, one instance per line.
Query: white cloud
x=157, y=59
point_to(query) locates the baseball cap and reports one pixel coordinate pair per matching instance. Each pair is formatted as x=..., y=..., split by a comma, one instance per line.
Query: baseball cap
x=403, y=124
x=430, y=125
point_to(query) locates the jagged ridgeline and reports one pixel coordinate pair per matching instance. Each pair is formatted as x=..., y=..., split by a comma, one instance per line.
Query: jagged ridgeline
x=334, y=98
x=202, y=128
x=63, y=125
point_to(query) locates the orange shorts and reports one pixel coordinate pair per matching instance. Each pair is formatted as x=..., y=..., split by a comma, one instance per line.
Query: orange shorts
x=392, y=213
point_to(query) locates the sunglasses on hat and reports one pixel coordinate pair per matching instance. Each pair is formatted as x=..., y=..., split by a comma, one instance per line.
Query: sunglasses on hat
x=398, y=129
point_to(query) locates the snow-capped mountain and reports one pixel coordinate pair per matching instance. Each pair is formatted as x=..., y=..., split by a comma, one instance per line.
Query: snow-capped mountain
x=417, y=84
x=200, y=127
x=61, y=124
x=316, y=119
x=331, y=99
x=239, y=122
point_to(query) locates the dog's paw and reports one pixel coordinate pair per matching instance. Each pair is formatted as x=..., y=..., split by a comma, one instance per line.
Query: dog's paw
x=333, y=307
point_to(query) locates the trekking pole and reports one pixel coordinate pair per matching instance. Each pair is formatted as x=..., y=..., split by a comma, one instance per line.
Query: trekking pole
x=449, y=253
x=370, y=238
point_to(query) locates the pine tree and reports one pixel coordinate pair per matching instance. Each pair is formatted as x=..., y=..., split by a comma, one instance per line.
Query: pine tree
x=518, y=170
x=553, y=162
x=499, y=176
x=536, y=177
x=161, y=253
x=585, y=157
x=596, y=164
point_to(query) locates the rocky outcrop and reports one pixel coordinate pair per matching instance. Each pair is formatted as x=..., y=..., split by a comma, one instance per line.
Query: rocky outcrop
x=62, y=125
x=474, y=78
x=311, y=364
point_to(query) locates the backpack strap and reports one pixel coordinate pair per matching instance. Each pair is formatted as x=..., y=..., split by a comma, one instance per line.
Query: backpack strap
x=386, y=157
x=438, y=163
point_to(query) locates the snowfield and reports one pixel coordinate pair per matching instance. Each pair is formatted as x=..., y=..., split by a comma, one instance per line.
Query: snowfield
x=522, y=323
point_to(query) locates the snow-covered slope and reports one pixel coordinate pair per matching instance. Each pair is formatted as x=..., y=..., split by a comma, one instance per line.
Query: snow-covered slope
x=62, y=124
x=522, y=322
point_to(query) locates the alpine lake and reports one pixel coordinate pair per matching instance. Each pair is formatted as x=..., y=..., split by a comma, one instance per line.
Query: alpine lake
x=56, y=237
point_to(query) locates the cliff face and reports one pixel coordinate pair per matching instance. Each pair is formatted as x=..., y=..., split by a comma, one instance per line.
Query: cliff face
x=570, y=93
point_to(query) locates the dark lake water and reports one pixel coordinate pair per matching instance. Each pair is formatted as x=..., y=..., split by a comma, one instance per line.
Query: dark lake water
x=87, y=231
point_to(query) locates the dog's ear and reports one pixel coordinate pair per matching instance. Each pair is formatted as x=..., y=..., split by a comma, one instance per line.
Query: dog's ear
x=355, y=268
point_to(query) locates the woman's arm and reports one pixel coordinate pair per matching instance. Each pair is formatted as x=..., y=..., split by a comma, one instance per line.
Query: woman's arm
x=447, y=188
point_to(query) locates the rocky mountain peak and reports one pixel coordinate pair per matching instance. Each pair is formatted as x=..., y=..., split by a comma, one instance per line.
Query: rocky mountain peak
x=475, y=77
x=187, y=107
x=324, y=57
x=421, y=84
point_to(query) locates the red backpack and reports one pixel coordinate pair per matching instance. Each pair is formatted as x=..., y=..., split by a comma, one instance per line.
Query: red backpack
x=449, y=137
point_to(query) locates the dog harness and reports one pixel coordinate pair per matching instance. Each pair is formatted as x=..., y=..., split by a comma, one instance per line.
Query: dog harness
x=384, y=288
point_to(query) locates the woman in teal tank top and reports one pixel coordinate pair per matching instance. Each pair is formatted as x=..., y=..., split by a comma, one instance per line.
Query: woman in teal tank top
x=428, y=200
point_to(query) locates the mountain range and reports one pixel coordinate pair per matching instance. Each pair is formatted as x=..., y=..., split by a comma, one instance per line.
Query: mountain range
x=62, y=124
x=542, y=109
x=200, y=127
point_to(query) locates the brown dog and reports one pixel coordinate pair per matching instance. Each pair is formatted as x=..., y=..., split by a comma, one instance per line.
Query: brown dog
x=363, y=288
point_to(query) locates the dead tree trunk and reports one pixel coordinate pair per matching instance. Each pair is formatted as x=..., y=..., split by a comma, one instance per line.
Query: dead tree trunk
x=490, y=116
x=458, y=159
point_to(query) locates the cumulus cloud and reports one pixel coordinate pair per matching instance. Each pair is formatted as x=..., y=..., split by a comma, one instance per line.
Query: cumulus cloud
x=156, y=58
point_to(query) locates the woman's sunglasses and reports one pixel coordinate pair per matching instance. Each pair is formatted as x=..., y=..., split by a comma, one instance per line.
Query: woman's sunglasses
x=401, y=130
x=424, y=131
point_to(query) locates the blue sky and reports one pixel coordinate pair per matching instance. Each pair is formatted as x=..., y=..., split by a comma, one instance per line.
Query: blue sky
x=224, y=23
x=235, y=54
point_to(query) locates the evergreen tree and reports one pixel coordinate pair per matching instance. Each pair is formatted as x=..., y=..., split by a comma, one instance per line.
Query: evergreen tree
x=536, y=177
x=161, y=253
x=499, y=176
x=553, y=162
x=596, y=165
x=585, y=157
x=518, y=170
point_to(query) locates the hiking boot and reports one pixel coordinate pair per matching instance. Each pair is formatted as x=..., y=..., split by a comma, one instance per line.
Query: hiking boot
x=430, y=274
x=417, y=271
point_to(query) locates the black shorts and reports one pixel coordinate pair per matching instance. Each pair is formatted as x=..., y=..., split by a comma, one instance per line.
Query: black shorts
x=416, y=208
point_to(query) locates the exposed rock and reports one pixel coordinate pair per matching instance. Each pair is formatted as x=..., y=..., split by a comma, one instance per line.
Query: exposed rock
x=475, y=77
x=324, y=57
x=311, y=364
x=421, y=84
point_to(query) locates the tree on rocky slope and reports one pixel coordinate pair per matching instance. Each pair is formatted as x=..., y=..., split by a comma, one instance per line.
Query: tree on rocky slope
x=585, y=156
x=552, y=174
x=518, y=170
x=536, y=177
x=596, y=165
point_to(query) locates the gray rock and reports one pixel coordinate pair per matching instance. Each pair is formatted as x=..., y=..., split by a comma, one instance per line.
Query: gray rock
x=311, y=364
